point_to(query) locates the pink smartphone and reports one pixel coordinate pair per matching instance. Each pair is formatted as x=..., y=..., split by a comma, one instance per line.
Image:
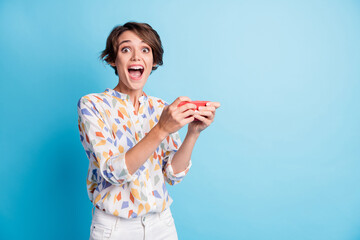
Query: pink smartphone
x=197, y=103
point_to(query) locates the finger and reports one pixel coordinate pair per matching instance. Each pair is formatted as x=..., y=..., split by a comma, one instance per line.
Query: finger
x=214, y=104
x=180, y=116
x=187, y=113
x=202, y=119
x=205, y=113
x=212, y=111
x=179, y=100
x=187, y=120
x=210, y=108
x=187, y=107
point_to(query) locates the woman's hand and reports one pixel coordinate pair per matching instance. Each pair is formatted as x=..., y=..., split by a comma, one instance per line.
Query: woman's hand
x=174, y=118
x=205, y=115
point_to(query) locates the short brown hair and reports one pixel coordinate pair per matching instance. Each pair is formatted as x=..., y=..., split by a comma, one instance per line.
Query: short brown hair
x=144, y=31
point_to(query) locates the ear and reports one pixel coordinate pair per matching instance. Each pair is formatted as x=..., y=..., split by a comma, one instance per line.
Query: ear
x=112, y=64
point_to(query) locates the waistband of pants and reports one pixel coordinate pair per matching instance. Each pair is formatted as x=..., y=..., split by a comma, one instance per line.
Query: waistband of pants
x=112, y=220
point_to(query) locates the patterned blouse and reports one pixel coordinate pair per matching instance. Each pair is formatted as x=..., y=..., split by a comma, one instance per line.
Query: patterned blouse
x=109, y=127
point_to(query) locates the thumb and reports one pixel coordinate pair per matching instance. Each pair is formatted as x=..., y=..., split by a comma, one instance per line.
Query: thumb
x=181, y=99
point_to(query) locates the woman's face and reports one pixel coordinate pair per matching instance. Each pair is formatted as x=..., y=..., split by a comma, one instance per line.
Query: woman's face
x=134, y=61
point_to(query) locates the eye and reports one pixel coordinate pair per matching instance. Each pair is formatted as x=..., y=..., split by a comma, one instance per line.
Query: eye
x=125, y=49
x=145, y=50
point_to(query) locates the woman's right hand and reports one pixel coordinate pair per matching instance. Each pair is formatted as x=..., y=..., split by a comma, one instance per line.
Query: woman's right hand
x=173, y=118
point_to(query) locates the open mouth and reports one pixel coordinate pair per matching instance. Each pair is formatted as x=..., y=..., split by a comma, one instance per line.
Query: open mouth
x=136, y=72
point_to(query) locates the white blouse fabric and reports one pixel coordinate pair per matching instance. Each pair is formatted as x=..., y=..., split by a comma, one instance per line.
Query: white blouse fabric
x=109, y=127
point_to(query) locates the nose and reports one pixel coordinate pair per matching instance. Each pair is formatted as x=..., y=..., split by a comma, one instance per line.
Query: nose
x=135, y=55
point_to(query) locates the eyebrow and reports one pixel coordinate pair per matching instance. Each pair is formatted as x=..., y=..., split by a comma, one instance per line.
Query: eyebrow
x=125, y=41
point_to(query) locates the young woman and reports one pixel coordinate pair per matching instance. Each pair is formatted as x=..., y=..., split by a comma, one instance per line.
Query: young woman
x=132, y=141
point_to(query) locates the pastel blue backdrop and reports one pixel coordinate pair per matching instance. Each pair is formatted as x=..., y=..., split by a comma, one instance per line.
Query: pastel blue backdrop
x=281, y=160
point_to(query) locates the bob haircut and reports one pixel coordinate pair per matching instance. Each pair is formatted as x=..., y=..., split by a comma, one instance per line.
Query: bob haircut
x=143, y=31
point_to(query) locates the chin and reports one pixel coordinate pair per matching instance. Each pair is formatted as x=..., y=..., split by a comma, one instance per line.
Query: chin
x=136, y=85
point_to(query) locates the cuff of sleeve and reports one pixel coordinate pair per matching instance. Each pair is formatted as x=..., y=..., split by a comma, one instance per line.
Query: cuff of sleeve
x=118, y=172
x=170, y=171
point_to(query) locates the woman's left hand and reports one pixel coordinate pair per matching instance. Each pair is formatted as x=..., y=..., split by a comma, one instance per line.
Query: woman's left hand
x=205, y=115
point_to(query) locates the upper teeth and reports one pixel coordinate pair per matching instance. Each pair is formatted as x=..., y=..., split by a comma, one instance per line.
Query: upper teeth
x=136, y=67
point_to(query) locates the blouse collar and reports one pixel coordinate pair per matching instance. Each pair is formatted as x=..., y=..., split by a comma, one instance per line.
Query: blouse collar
x=124, y=96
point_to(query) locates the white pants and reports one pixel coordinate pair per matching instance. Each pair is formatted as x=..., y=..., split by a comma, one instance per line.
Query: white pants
x=154, y=226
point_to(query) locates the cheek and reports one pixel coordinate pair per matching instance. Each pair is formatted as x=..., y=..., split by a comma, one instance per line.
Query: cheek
x=150, y=59
x=120, y=65
x=119, y=61
x=149, y=62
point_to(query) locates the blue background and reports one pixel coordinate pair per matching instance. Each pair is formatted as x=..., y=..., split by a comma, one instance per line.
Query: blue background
x=281, y=160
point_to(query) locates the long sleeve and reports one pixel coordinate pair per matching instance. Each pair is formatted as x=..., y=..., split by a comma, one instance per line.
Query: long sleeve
x=102, y=143
x=173, y=143
x=109, y=127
